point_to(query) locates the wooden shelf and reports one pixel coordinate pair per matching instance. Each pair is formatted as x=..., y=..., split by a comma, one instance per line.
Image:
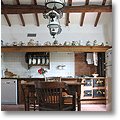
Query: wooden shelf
x=54, y=48
x=30, y=65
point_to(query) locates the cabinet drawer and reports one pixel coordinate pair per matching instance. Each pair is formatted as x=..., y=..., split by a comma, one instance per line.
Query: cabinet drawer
x=87, y=93
x=88, y=82
x=99, y=93
x=98, y=83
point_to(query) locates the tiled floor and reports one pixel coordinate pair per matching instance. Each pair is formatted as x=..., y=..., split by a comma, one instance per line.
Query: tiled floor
x=93, y=107
x=84, y=107
x=12, y=107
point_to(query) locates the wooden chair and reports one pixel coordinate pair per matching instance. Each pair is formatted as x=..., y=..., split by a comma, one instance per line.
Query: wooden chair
x=66, y=95
x=49, y=96
x=29, y=97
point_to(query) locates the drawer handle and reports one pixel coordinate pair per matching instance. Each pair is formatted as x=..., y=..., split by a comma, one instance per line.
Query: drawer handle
x=99, y=92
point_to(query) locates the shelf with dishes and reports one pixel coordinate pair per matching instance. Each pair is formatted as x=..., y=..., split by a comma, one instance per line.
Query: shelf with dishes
x=37, y=59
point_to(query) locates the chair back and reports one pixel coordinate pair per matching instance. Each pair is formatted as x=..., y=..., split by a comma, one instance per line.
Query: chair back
x=29, y=97
x=49, y=95
x=53, y=79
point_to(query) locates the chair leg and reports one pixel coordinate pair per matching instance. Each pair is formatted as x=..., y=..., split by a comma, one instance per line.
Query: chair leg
x=34, y=106
x=27, y=104
x=39, y=107
x=74, y=102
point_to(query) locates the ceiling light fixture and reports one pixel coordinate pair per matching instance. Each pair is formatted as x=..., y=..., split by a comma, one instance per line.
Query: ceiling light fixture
x=54, y=4
x=54, y=24
x=54, y=15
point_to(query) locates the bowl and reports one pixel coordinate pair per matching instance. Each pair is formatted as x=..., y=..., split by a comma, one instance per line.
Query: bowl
x=95, y=75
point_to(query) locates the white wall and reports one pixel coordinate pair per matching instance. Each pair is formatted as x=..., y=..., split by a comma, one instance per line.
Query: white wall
x=108, y=30
x=72, y=33
x=15, y=62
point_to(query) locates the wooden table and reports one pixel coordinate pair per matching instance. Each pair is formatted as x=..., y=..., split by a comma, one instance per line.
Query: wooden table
x=75, y=90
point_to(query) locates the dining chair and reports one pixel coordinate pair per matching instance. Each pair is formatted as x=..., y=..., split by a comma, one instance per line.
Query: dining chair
x=29, y=96
x=67, y=97
x=49, y=96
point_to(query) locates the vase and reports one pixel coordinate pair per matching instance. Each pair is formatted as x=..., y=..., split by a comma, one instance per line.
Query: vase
x=44, y=77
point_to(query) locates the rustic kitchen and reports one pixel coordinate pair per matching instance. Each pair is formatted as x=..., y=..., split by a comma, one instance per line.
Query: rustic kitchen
x=70, y=39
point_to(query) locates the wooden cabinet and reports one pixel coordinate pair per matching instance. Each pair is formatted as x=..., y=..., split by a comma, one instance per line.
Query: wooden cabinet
x=94, y=91
x=37, y=59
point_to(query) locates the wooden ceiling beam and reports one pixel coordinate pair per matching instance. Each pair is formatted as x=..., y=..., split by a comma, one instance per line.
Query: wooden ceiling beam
x=83, y=14
x=67, y=15
x=37, y=19
x=97, y=19
x=99, y=14
x=22, y=19
x=36, y=15
x=5, y=15
x=82, y=19
x=24, y=9
x=21, y=16
x=7, y=19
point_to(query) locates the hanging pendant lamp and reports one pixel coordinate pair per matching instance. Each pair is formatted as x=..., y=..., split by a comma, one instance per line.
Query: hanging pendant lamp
x=54, y=15
x=54, y=25
x=55, y=4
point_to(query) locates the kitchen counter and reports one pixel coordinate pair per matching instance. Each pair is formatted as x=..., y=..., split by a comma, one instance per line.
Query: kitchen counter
x=65, y=78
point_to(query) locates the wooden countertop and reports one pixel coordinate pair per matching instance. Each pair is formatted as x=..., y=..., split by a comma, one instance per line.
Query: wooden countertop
x=65, y=78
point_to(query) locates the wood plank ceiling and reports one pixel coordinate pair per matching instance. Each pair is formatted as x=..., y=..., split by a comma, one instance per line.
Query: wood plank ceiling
x=87, y=6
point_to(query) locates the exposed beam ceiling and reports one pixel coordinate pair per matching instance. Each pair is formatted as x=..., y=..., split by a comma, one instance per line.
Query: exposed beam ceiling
x=23, y=9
